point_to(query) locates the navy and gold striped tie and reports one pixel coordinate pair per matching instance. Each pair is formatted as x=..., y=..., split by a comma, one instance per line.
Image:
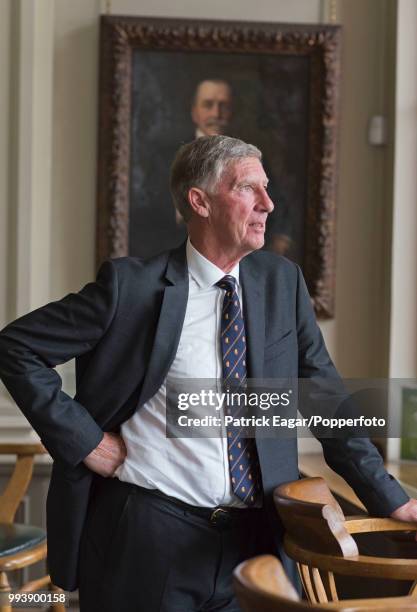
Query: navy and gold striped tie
x=243, y=456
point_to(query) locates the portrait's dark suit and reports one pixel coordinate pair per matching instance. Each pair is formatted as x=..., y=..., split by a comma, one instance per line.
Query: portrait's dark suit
x=124, y=330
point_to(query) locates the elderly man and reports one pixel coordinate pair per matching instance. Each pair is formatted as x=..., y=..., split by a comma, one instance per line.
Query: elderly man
x=140, y=521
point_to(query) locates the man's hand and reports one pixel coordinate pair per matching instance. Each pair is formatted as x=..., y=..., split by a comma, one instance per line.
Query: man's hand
x=406, y=512
x=107, y=456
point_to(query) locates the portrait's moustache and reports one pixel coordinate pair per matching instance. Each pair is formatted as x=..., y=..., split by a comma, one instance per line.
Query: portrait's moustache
x=216, y=123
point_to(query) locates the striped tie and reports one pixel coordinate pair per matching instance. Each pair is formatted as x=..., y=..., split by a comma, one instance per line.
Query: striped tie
x=243, y=457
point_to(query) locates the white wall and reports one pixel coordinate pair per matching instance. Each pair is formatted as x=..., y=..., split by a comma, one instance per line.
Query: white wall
x=245, y=10
x=5, y=86
x=74, y=144
x=355, y=336
x=403, y=336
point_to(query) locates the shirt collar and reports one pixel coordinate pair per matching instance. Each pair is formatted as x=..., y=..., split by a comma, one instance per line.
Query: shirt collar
x=203, y=271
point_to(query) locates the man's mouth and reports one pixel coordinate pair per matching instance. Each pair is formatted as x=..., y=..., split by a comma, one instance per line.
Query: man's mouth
x=218, y=123
x=258, y=226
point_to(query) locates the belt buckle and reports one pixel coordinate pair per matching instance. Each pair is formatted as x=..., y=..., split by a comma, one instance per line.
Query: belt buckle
x=220, y=516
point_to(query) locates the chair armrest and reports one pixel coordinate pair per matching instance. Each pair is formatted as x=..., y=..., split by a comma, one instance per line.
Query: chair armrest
x=399, y=604
x=358, y=565
x=360, y=524
x=22, y=449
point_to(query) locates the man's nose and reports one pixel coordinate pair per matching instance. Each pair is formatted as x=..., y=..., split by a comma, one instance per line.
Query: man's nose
x=265, y=202
x=215, y=110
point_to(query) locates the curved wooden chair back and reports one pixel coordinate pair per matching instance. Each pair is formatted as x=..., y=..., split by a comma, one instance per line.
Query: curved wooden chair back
x=17, y=485
x=319, y=538
x=312, y=517
x=261, y=585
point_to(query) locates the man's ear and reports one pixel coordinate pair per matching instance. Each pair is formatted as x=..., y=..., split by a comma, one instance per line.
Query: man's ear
x=199, y=202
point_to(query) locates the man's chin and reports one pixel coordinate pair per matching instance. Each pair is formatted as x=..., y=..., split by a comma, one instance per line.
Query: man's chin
x=255, y=243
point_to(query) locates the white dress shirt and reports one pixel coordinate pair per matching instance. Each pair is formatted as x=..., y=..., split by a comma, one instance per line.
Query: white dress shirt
x=193, y=470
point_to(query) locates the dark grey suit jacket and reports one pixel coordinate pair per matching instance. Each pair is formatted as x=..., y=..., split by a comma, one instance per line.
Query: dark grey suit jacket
x=124, y=330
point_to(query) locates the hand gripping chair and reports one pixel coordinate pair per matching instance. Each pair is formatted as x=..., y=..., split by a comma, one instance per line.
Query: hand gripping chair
x=20, y=545
x=261, y=585
x=319, y=538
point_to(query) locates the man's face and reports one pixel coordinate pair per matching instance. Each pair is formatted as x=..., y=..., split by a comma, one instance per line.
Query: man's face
x=212, y=107
x=240, y=206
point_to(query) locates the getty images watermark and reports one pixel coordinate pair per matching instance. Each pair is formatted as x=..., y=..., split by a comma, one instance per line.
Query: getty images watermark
x=283, y=408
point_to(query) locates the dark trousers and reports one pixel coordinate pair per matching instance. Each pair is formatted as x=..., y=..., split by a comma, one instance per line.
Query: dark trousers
x=142, y=552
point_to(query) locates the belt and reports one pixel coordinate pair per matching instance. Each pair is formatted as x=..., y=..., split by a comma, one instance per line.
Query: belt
x=220, y=516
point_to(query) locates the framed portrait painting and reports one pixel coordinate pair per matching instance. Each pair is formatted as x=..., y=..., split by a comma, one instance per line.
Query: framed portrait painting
x=165, y=82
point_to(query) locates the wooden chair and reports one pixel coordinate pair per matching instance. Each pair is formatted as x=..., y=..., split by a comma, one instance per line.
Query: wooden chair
x=20, y=545
x=319, y=538
x=261, y=585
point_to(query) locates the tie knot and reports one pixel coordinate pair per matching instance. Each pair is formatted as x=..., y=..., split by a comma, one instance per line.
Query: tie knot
x=228, y=283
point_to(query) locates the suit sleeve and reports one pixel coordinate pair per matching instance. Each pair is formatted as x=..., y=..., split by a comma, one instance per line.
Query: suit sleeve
x=356, y=459
x=34, y=344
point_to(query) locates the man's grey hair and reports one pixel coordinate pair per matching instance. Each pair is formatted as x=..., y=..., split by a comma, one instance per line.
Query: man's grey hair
x=201, y=163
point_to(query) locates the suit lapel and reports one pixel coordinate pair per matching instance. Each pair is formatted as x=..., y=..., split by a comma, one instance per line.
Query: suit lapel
x=253, y=289
x=171, y=319
x=170, y=322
